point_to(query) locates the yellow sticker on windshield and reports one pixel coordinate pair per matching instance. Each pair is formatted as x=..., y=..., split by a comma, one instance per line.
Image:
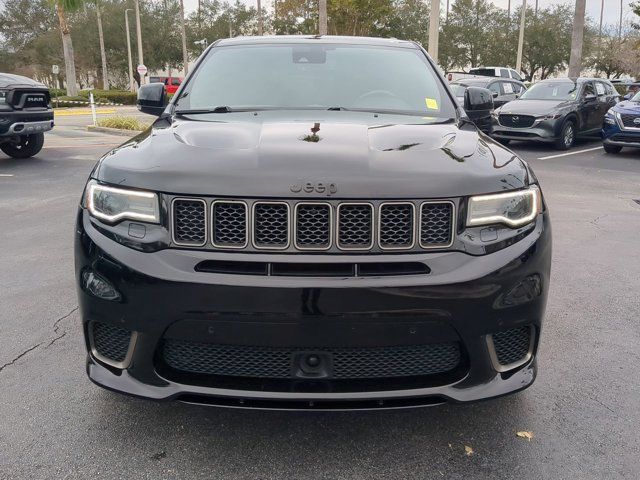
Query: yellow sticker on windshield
x=432, y=103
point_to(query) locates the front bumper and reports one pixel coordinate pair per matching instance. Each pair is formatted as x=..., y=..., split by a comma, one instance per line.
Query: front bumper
x=25, y=122
x=464, y=299
x=613, y=135
x=546, y=131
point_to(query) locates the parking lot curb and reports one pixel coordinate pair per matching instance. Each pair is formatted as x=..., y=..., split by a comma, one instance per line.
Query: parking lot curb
x=113, y=131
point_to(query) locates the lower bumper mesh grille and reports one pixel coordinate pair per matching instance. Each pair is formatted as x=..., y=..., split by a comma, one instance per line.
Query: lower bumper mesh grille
x=278, y=362
x=110, y=341
x=512, y=346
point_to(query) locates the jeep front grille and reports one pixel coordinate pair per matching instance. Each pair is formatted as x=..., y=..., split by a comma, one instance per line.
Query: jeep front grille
x=322, y=226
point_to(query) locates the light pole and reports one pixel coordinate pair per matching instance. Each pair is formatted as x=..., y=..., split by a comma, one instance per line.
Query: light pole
x=132, y=83
x=620, y=24
x=521, y=37
x=434, y=27
x=139, y=35
x=601, y=15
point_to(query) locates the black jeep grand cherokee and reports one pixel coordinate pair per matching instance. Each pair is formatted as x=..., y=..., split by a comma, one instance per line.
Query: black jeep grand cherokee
x=25, y=114
x=312, y=222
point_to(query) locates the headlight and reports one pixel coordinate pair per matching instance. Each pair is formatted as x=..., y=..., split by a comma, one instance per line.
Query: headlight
x=609, y=117
x=551, y=116
x=511, y=208
x=115, y=204
x=3, y=97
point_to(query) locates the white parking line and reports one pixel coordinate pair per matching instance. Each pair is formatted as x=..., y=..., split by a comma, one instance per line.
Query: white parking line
x=570, y=153
x=6, y=175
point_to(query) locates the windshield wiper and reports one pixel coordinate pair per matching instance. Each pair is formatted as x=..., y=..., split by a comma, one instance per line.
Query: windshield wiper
x=337, y=109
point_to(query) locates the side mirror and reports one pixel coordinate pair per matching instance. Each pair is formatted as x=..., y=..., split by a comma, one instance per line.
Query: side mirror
x=152, y=99
x=476, y=98
x=495, y=94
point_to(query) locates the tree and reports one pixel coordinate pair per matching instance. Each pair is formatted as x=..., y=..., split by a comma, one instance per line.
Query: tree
x=103, y=55
x=464, y=37
x=547, y=41
x=358, y=17
x=577, y=37
x=616, y=56
x=62, y=7
x=408, y=21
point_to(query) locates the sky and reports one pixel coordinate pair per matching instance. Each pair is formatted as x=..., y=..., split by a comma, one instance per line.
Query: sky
x=611, y=7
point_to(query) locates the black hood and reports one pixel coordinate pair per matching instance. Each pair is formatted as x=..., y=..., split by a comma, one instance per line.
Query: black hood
x=8, y=80
x=264, y=154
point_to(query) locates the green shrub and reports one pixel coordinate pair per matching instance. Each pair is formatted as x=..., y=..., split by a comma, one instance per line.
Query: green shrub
x=123, y=123
x=57, y=92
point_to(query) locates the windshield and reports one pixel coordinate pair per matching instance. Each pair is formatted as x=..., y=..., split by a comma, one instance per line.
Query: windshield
x=636, y=97
x=552, y=91
x=299, y=76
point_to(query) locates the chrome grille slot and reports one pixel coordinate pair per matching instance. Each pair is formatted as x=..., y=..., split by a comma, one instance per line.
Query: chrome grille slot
x=271, y=225
x=396, y=226
x=436, y=224
x=313, y=226
x=189, y=222
x=355, y=226
x=229, y=225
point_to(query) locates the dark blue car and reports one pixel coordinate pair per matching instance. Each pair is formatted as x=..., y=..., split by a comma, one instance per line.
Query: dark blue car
x=621, y=126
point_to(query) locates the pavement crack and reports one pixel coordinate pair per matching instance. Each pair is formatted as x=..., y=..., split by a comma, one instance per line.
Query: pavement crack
x=15, y=359
x=595, y=221
x=54, y=340
x=56, y=324
x=56, y=328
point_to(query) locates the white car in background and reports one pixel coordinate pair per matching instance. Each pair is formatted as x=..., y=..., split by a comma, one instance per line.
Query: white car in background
x=503, y=72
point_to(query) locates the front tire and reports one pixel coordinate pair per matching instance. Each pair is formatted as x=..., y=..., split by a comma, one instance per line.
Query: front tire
x=28, y=146
x=612, y=148
x=567, y=136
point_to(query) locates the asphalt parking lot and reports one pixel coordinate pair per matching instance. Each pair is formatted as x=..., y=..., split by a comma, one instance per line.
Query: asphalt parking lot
x=583, y=409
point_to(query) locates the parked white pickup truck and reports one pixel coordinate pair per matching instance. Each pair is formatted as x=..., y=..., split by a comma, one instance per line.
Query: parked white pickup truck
x=504, y=72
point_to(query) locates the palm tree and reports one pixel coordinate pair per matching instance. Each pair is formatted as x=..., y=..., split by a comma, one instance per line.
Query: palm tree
x=103, y=55
x=61, y=7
